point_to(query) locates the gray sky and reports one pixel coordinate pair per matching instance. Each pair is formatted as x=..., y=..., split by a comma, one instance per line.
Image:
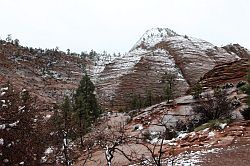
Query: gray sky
x=116, y=25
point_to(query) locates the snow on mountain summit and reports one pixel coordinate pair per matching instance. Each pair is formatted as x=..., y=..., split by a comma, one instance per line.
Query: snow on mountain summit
x=154, y=36
x=158, y=51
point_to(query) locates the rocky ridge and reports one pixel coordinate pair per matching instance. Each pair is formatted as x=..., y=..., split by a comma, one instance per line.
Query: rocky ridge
x=159, y=51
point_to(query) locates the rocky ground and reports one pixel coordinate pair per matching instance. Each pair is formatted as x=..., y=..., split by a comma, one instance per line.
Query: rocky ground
x=234, y=155
x=205, y=146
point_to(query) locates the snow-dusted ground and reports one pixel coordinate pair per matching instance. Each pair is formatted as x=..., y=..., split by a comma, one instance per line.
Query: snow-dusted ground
x=190, y=158
x=193, y=158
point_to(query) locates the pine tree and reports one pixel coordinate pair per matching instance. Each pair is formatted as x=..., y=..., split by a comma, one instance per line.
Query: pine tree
x=169, y=80
x=85, y=105
x=148, y=99
x=168, y=92
x=136, y=102
x=92, y=54
x=197, y=90
x=9, y=38
x=63, y=122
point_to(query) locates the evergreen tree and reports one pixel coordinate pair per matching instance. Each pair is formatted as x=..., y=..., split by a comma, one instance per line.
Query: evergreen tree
x=85, y=105
x=83, y=55
x=169, y=80
x=197, y=90
x=9, y=38
x=136, y=102
x=68, y=51
x=64, y=124
x=148, y=99
x=168, y=92
x=92, y=54
x=16, y=42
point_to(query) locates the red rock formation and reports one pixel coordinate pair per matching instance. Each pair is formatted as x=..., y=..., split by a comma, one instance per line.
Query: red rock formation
x=159, y=51
x=231, y=72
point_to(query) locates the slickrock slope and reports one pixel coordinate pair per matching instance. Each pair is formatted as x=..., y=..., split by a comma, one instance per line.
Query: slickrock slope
x=224, y=73
x=158, y=51
x=48, y=74
x=191, y=148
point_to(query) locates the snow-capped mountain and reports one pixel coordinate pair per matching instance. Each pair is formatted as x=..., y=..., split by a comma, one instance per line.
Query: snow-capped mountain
x=158, y=51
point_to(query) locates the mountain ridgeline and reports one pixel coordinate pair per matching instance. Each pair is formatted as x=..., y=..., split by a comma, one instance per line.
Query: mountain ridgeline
x=159, y=51
x=51, y=74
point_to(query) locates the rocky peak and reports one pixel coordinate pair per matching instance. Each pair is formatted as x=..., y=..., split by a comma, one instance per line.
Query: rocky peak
x=153, y=36
x=158, y=51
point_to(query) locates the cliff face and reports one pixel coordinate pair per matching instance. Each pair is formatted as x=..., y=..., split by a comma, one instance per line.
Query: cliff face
x=158, y=51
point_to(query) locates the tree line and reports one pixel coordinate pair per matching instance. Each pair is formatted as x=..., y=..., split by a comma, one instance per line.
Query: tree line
x=92, y=54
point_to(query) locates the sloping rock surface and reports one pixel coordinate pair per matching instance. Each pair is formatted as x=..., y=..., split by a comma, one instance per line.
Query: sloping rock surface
x=224, y=73
x=158, y=51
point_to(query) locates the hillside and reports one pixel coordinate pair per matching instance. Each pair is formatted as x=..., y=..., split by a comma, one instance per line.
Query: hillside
x=47, y=74
x=198, y=147
x=185, y=128
x=158, y=51
x=51, y=74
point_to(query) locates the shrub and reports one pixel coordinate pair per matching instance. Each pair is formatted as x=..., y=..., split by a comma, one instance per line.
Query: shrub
x=121, y=110
x=192, y=124
x=240, y=84
x=187, y=126
x=168, y=134
x=146, y=135
x=136, y=128
x=212, y=124
x=214, y=107
x=227, y=86
x=244, y=88
x=181, y=126
x=246, y=113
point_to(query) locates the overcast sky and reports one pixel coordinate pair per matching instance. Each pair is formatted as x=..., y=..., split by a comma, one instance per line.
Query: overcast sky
x=116, y=25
